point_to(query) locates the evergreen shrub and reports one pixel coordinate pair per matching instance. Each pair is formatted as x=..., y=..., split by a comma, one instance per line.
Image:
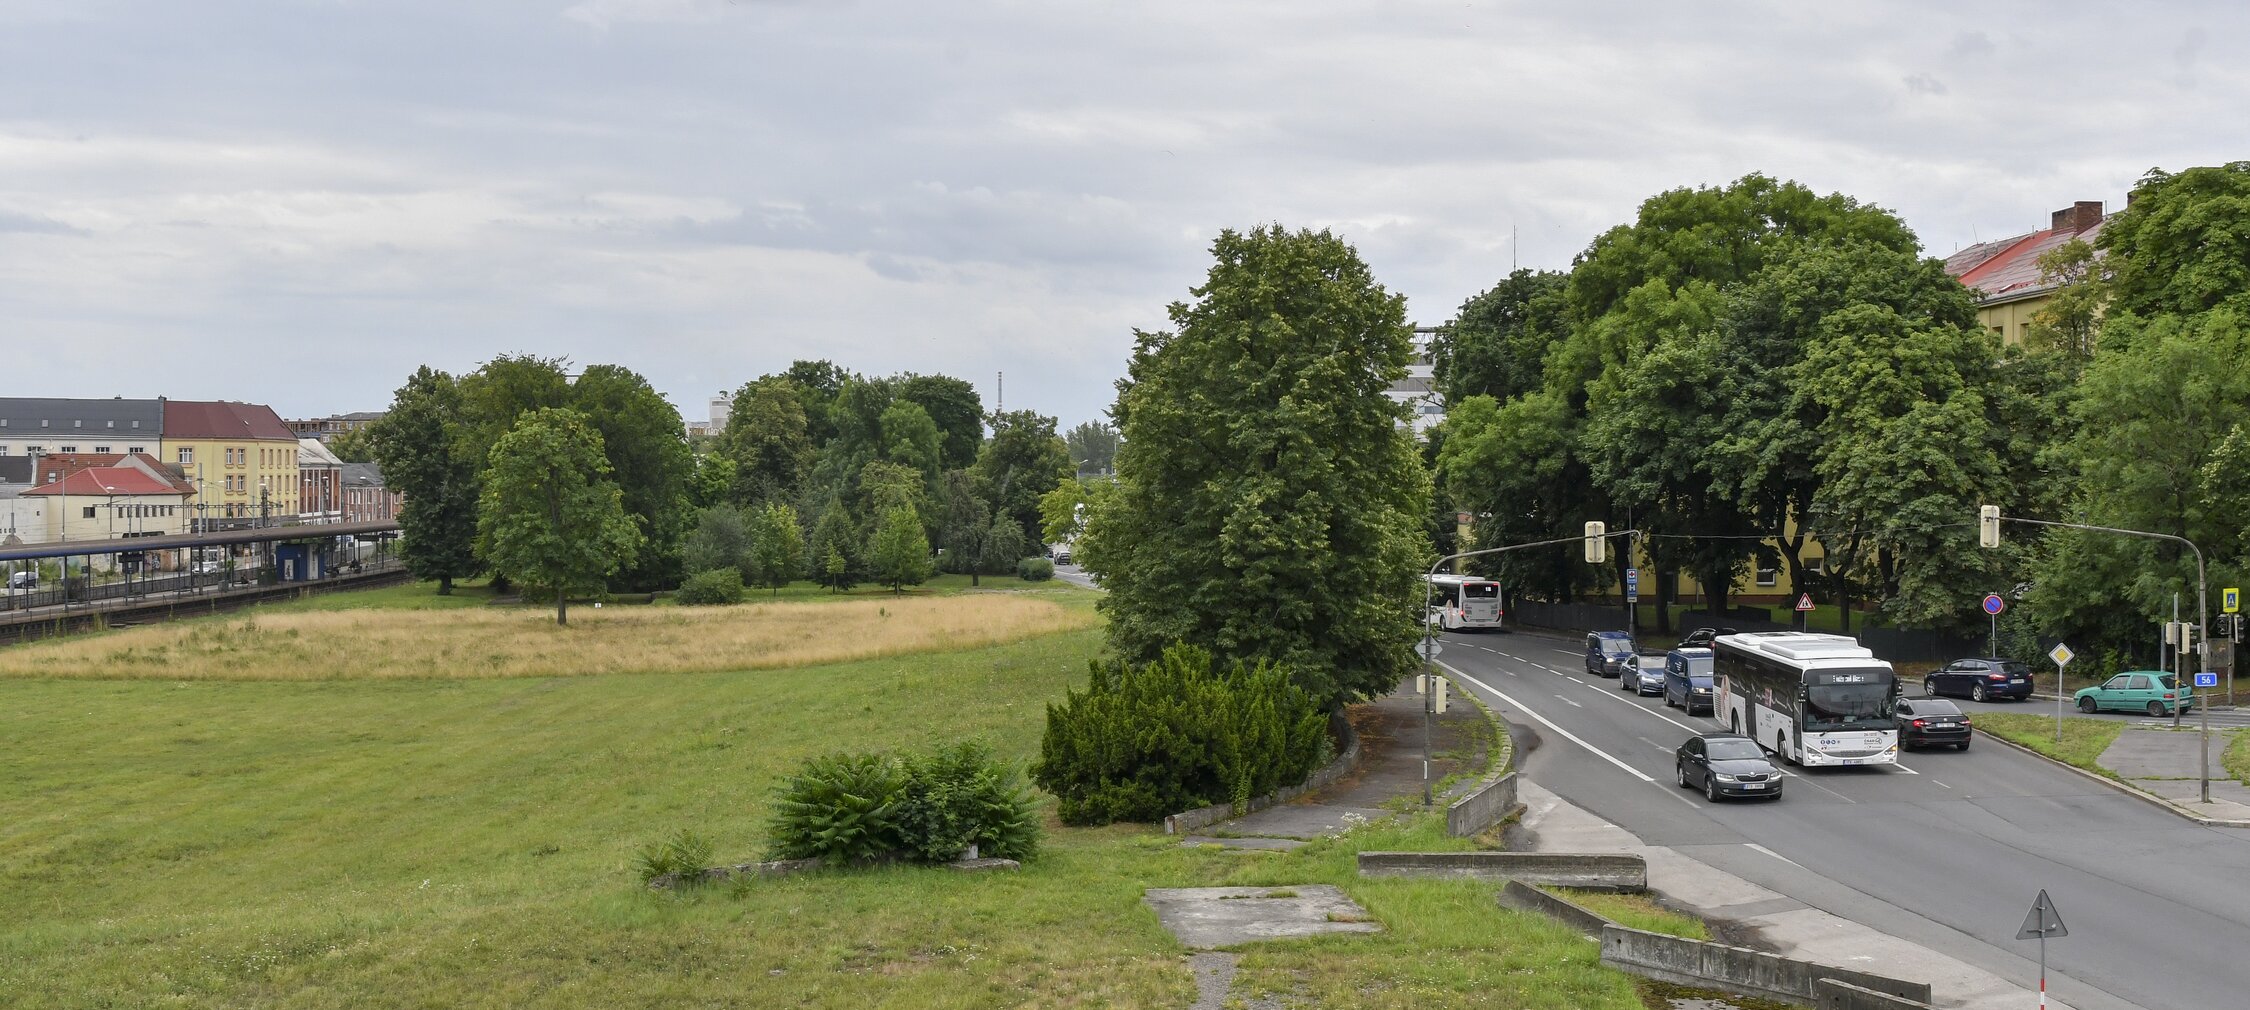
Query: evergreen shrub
x=1175, y=735
x=716, y=587
x=1035, y=569
x=929, y=807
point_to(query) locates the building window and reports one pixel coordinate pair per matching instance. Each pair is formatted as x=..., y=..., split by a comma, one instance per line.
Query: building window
x=187, y=457
x=109, y=424
x=77, y=423
x=1768, y=576
x=101, y=448
x=1816, y=566
x=34, y=450
x=89, y=514
x=70, y=448
x=136, y=424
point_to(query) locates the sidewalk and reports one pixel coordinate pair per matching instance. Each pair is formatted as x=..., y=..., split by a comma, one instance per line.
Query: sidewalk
x=2164, y=762
x=1390, y=769
x=1553, y=824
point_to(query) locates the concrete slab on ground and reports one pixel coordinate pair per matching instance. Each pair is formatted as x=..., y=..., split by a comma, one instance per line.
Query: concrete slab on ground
x=1301, y=820
x=1208, y=917
x=1261, y=844
x=2166, y=762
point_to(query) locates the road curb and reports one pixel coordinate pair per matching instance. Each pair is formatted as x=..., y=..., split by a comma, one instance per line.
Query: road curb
x=2124, y=787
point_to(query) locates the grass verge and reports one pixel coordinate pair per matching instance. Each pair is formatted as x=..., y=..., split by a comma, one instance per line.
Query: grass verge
x=2236, y=758
x=2083, y=740
x=1638, y=911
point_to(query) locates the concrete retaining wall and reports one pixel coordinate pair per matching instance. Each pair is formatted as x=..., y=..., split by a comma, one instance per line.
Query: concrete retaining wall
x=1484, y=807
x=1587, y=871
x=1526, y=898
x=1737, y=969
x=1188, y=820
x=1829, y=994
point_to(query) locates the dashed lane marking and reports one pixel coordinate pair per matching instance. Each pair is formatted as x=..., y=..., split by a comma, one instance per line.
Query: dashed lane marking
x=1755, y=847
x=1544, y=721
x=1570, y=703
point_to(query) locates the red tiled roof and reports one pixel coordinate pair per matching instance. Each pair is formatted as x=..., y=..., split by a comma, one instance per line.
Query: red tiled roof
x=2009, y=268
x=101, y=481
x=53, y=465
x=223, y=419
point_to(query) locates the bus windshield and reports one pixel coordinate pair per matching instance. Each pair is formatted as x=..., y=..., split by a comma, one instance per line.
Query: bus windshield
x=1830, y=707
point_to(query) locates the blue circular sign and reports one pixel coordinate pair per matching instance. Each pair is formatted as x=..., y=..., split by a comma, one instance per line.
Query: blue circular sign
x=1993, y=604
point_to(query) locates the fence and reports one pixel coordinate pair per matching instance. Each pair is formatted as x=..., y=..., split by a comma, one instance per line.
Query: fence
x=1898, y=645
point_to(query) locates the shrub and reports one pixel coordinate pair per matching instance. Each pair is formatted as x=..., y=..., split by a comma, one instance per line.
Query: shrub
x=713, y=588
x=1035, y=569
x=841, y=808
x=682, y=857
x=960, y=796
x=1139, y=744
x=929, y=807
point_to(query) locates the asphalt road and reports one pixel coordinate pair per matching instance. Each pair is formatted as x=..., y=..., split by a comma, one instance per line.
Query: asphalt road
x=1948, y=849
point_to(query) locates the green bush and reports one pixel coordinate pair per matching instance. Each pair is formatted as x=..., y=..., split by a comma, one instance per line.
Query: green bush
x=929, y=808
x=716, y=587
x=960, y=796
x=682, y=857
x=1139, y=744
x=1035, y=569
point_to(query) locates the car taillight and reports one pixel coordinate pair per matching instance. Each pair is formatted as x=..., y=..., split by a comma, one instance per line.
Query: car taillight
x=1919, y=723
x=1996, y=676
x=1964, y=720
x=2167, y=696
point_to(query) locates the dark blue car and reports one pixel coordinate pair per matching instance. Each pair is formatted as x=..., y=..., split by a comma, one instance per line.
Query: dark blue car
x=1608, y=653
x=1687, y=680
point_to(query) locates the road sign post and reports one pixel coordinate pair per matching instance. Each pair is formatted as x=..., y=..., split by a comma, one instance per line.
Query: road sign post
x=2043, y=922
x=1993, y=605
x=1633, y=608
x=2061, y=654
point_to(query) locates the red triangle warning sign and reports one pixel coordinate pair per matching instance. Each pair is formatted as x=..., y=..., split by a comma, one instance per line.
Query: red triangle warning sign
x=1804, y=601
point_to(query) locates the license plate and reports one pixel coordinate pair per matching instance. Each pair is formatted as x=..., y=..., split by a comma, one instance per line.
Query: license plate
x=2015, y=680
x=1753, y=785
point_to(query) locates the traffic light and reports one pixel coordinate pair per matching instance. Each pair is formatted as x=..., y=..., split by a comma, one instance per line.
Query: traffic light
x=1988, y=525
x=2223, y=626
x=1597, y=546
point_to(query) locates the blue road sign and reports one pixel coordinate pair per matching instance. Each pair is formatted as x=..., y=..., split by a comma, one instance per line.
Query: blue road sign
x=1993, y=604
x=2206, y=679
x=1632, y=585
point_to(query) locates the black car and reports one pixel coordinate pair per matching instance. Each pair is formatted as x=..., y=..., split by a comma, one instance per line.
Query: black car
x=1983, y=679
x=1927, y=721
x=1727, y=764
x=1701, y=638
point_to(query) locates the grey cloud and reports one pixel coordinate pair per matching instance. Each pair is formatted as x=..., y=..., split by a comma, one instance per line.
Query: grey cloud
x=1924, y=84
x=16, y=221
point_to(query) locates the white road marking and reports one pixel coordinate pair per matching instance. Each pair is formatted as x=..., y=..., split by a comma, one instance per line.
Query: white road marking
x=1755, y=847
x=1569, y=702
x=1902, y=768
x=1650, y=711
x=1543, y=721
x=1941, y=783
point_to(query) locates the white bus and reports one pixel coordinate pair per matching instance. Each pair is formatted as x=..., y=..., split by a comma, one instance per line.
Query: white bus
x=1459, y=602
x=1813, y=699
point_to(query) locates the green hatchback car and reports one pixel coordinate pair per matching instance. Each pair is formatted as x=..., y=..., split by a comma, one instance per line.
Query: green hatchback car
x=2151, y=691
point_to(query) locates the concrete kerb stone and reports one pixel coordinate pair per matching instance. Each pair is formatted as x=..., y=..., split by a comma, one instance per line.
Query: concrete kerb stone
x=1594, y=871
x=1188, y=820
x=787, y=867
x=1493, y=799
x=2127, y=788
x=1525, y=898
x=1737, y=969
x=1830, y=994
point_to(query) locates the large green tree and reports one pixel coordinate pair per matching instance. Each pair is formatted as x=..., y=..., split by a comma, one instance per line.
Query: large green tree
x=550, y=516
x=649, y=459
x=956, y=409
x=778, y=554
x=966, y=525
x=767, y=440
x=1269, y=502
x=1093, y=446
x=898, y=555
x=423, y=460
x=2182, y=246
x=1023, y=460
x=1497, y=343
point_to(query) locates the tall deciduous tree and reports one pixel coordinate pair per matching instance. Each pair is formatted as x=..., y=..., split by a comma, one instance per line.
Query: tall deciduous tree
x=779, y=553
x=2181, y=247
x=721, y=539
x=1497, y=344
x=423, y=460
x=1269, y=503
x=767, y=441
x=899, y=553
x=835, y=547
x=1023, y=460
x=1093, y=446
x=550, y=516
x=649, y=459
x=967, y=524
x=956, y=409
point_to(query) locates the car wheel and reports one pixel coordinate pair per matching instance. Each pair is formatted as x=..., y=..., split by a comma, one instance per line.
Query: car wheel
x=2156, y=709
x=2086, y=705
x=1929, y=686
x=1977, y=693
x=1622, y=685
x=1964, y=745
x=1711, y=789
x=1680, y=769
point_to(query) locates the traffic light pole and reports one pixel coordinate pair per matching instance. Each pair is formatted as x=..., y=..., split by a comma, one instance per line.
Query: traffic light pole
x=1429, y=638
x=1991, y=514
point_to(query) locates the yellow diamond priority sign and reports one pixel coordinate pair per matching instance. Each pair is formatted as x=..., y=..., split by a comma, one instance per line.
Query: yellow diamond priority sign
x=2061, y=654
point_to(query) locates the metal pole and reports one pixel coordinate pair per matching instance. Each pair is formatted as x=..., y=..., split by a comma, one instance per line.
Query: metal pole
x=1993, y=645
x=2042, y=961
x=2179, y=653
x=2059, y=689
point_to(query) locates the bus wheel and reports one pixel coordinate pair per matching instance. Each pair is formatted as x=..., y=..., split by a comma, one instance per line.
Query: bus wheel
x=1781, y=747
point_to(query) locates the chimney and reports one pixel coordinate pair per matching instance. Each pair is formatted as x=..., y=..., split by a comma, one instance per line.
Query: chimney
x=2078, y=216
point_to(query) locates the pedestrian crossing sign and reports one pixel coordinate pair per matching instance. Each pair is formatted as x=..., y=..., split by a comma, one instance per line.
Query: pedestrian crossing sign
x=2230, y=600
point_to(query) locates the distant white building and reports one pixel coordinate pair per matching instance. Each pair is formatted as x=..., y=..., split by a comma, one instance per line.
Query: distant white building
x=1418, y=390
x=722, y=406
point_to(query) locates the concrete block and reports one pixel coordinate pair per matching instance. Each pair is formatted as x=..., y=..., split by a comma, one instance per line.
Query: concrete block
x=1587, y=871
x=1526, y=898
x=1483, y=807
x=1829, y=994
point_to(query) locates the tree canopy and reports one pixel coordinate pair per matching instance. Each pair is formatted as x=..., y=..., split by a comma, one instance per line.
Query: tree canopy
x=550, y=516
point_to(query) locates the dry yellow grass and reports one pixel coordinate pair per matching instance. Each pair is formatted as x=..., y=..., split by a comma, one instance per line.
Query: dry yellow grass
x=492, y=642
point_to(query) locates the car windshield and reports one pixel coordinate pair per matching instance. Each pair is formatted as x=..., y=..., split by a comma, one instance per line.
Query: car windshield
x=1846, y=706
x=1615, y=646
x=1698, y=669
x=2015, y=669
x=1733, y=750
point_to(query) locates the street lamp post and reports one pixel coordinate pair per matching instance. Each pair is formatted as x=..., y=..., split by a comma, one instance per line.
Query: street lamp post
x=1429, y=638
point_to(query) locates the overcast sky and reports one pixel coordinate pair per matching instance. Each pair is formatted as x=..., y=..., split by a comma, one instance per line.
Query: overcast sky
x=296, y=202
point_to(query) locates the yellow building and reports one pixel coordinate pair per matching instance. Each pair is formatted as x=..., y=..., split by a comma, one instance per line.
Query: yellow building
x=241, y=457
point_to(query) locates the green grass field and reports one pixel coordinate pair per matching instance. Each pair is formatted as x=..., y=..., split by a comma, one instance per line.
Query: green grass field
x=468, y=843
x=2083, y=739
